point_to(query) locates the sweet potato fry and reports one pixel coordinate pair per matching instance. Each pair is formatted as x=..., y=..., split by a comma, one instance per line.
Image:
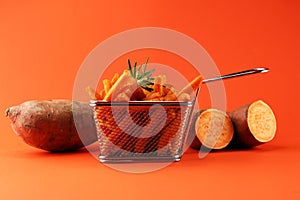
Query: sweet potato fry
x=170, y=96
x=159, y=84
x=193, y=85
x=122, y=97
x=106, y=85
x=125, y=80
x=184, y=97
x=138, y=94
x=152, y=96
x=92, y=93
x=101, y=94
x=114, y=79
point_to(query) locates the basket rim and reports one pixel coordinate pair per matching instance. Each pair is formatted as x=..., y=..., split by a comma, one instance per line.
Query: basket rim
x=190, y=103
x=94, y=103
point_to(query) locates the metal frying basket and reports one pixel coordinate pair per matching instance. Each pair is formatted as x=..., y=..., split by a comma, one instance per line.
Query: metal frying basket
x=142, y=131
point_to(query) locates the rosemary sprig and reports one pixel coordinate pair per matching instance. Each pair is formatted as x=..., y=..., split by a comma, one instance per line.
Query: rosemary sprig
x=142, y=76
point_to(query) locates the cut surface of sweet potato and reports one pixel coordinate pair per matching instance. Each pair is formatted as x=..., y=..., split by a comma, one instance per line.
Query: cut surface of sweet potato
x=261, y=121
x=214, y=129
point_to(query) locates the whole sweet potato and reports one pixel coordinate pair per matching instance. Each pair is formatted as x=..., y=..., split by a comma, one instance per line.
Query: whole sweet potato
x=49, y=124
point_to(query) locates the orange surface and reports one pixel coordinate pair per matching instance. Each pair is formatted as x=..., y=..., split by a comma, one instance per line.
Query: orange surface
x=42, y=45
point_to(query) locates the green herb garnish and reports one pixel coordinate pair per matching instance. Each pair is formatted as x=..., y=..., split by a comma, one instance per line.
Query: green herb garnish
x=142, y=76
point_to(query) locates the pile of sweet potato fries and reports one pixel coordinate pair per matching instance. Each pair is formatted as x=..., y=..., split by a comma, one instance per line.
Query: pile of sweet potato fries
x=124, y=87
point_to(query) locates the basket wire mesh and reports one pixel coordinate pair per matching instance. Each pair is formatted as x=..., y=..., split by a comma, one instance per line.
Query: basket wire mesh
x=142, y=131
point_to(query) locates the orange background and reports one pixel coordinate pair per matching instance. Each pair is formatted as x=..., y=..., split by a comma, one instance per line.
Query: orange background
x=43, y=43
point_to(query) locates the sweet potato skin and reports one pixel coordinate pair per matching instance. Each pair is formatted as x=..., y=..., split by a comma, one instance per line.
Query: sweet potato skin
x=244, y=137
x=49, y=124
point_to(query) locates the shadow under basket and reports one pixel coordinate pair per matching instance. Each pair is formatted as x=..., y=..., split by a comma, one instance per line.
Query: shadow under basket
x=142, y=131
